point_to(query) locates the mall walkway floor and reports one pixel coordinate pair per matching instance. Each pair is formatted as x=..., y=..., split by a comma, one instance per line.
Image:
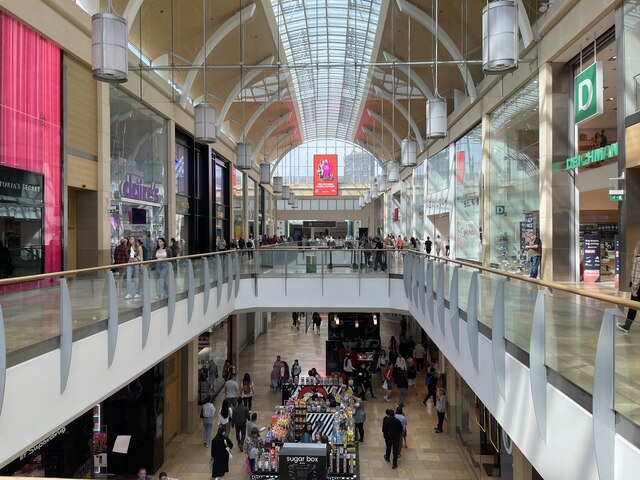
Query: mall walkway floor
x=429, y=455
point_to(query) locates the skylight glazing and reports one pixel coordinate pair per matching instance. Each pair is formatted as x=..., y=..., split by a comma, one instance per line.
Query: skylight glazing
x=326, y=43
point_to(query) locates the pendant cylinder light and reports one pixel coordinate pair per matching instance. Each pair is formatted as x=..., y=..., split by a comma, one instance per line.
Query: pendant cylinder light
x=374, y=190
x=393, y=171
x=286, y=192
x=500, y=37
x=109, y=47
x=361, y=203
x=292, y=199
x=367, y=197
x=277, y=184
x=265, y=173
x=409, y=150
x=382, y=182
x=205, y=123
x=243, y=156
x=437, y=118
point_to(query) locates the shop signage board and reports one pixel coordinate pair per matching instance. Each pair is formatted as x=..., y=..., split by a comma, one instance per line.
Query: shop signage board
x=303, y=461
x=16, y=184
x=592, y=156
x=591, y=258
x=588, y=93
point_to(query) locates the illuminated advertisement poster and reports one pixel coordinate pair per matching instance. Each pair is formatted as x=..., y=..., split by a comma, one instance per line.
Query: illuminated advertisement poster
x=325, y=175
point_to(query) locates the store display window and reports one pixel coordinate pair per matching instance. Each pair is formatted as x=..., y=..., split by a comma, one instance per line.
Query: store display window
x=30, y=132
x=513, y=177
x=418, y=202
x=468, y=162
x=438, y=172
x=213, y=351
x=139, y=160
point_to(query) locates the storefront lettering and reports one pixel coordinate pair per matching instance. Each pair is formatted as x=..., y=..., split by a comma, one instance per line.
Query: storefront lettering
x=594, y=156
x=136, y=190
x=38, y=446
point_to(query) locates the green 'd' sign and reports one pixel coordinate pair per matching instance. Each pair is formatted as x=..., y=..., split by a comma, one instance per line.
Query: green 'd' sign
x=588, y=93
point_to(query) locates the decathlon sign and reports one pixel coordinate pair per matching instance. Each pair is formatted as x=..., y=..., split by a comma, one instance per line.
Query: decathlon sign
x=588, y=93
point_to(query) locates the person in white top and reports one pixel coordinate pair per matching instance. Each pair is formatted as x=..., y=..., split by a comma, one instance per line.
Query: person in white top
x=133, y=282
x=207, y=414
x=401, y=363
x=162, y=268
x=226, y=414
x=418, y=354
x=232, y=390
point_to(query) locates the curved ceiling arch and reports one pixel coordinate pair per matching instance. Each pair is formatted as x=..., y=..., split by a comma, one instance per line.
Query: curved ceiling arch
x=382, y=93
x=429, y=23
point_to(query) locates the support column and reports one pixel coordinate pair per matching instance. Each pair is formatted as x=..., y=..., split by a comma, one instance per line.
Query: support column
x=256, y=211
x=245, y=206
x=171, y=182
x=104, y=174
x=559, y=212
x=522, y=469
x=485, y=192
x=189, y=409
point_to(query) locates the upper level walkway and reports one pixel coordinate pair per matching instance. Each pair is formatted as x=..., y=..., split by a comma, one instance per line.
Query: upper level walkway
x=540, y=356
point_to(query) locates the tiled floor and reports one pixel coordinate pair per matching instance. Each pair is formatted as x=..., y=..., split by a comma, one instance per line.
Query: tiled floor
x=429, y=455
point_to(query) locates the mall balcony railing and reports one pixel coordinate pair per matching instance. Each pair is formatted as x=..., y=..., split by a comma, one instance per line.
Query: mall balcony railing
x=565, y=335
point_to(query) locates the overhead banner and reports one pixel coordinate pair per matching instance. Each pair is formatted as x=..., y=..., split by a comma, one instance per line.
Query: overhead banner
x=325, y=175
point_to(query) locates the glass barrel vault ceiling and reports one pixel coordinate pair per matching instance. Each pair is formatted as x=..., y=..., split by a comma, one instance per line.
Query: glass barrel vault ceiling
x=326, y=43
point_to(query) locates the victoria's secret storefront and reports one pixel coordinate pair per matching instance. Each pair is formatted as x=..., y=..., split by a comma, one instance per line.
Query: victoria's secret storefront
x=30, y=172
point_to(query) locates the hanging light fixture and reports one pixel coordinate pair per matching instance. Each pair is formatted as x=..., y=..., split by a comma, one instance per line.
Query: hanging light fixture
x=367, y=197
x=265, y=173
x=382, y=182
x=292, y=199
x=374, y=190
x=337, y=319
x=436, y=106
x=277, y=184
x=244, y=158
x=361, y=203
x=286, y=192
x=375, y=319
x=357, y=324
x=409, y=147
x=500, y=36
x=393, y=171
x=205, y=113
x=109, y=62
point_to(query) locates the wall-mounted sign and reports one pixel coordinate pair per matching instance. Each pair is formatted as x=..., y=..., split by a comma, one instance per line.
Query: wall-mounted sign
x=21, y=184
x=593, y=156
x=318, y=224
x=133, y=189
x=325, y=175
x=588, y=93
x=500, y=210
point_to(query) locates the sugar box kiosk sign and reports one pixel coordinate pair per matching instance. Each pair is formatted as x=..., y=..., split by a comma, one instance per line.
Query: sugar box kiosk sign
x=303, y=461
x=325, y=175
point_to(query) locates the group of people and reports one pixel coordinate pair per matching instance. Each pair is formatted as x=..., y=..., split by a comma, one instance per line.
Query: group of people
x=237, y=243
x=133, y=250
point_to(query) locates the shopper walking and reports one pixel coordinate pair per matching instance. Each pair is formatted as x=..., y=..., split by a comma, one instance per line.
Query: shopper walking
x=294, y=320
x=441, y=408
x=403, y=420
x=296, y=369
x=427, y=245
x=534, y=253
x=635, y=289
x=400, y=379
x=275, y=377
x=220, y=448
x=317, y=321
x=133, y=275
x=232, y=390
x=247, y=391
x=388, y=381
x=430, y=381
x=359, y=417
x=418, y=355
x=207, y=413
x=253, y=445
x=162, y=268
x=392, y=433
x=379, y=260
x=438, y=246
x=226, y=414
x=240, y=418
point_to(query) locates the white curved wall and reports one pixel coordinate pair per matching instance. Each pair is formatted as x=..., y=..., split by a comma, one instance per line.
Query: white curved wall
x=33, y=407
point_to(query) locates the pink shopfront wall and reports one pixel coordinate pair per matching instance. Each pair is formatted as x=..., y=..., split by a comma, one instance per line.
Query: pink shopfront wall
x=30, y=119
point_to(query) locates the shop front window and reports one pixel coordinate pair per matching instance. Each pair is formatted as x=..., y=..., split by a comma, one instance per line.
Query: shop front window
x=468, y=158
x=213, y=351
x=238, y=203
x=514, y=179
x=406, y=207
x=139, y=159
x=438, y=172
x=631, y=60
